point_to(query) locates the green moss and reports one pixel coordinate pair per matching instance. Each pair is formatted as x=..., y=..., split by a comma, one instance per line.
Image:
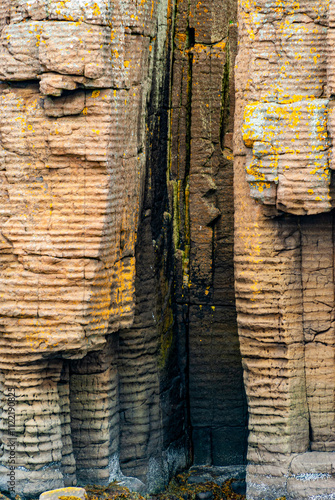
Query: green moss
x=186, y=256
x=165, y=347
x=166, y=335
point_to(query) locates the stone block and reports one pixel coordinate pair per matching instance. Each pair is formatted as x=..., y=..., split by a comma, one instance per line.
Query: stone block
x=63, y=493
x=289, y=167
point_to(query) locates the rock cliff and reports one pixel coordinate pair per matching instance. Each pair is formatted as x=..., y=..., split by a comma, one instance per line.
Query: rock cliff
x=202, y=114
x=284, y=244
x=122, y=352
x=119, y=353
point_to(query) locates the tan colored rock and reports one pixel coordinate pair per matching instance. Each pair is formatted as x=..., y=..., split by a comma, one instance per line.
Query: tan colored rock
x=284, y=265
x=289, y=165
x=35, y=47
x=73, y=153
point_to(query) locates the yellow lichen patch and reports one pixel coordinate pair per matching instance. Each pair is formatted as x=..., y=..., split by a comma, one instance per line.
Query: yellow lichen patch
x=287, y=138
x=68, y=497
x=96, y=10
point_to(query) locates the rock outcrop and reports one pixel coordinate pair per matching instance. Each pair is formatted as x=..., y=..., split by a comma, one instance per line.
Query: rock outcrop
x=119, y=350
x=284, y=244
x=202, y=182
x=119, y=353
x=76, y=83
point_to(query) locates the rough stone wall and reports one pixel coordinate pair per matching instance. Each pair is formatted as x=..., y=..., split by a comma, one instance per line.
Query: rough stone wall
x=201, y=185
x=154, y=438
x=284, y=245
x=79, y=101
x=118, y=327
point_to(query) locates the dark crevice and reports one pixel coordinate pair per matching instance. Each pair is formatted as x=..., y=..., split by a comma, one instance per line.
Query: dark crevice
x=191, y=37
x=225, y=99
x=21, y=84
x=187, y=235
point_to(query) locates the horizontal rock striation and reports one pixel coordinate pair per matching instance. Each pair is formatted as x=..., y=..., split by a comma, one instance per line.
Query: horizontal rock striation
x=118, y=333
x=289, y=169
x=284, y=259
x=76, y=82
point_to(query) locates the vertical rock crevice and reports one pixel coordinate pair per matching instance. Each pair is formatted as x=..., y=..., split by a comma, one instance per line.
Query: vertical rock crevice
x=117, y=195
x=201, y=153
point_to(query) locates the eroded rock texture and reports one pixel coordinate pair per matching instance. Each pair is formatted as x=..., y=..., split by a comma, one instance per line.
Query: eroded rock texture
x=202, y=188
x=77, y=79
x=117, y=308
x=284, y=244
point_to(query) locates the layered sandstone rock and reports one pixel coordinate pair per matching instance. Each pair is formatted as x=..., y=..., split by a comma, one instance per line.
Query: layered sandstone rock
x=116, y=304
x=76, y=80
x=193, y=291
x=284, y=244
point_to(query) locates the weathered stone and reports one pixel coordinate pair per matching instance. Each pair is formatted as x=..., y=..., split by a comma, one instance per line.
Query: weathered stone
x=62, y=493
x=289, y=169
x=239, y=487
x=199, y=479
x=116, y=279
x=205, y=495
x=75, y=152
x=202, y=192
x=284, y=265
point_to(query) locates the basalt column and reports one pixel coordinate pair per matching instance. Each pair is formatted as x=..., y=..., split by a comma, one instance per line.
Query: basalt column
x=201, y=186
x=77, y=83
x=284, y=245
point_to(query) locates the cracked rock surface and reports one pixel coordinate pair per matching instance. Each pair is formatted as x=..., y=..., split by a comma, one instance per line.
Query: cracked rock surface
x=284, y=248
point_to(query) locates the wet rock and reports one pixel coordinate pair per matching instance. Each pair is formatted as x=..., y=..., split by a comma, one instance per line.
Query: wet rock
x=133, y=484
x=200, y=479
x=204, y=495
x=225, y=473
x=239, y=487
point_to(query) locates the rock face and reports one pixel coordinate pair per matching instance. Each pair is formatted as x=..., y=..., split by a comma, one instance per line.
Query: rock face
x=76, y=80
x=284, y=244
x=119, y=352
x=118, y=326
x=202, y=183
